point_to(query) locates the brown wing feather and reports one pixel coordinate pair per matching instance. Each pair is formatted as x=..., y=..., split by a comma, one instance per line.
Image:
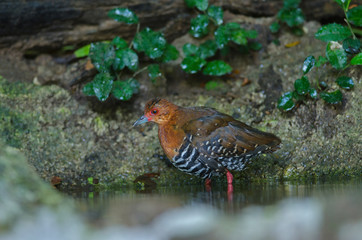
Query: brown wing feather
x=220, y=135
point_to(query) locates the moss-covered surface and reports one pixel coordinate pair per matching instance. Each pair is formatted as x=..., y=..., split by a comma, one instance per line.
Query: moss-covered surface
x=62, y=137
x=22, y=190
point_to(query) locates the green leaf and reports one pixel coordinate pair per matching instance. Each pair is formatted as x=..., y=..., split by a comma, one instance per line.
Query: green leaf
x=119, y=43
x=134, y=84
x=255, y=46
x=321, y=60
x=274, y=27
x=312, y=93
x=221, y=36
x=102, y=85
x=333, y=32
x=217, y=68
x=123, y=15
x=213, y=85
x=250, y=34
x=357, y=60
x=102, y=56
x=232, y=25
x=189, y=49
x=199, y=26
x=192, y=64
x=199, y=4
x=345, y=82
x=238, y=37
x=151, y=42
x=355, y=16
x=290, y=4
x=292, y=17
x=207, y=49
x=336, y=55
x=191, y=3
x=302, y=85
x=126, y=57
x=170, y=54
x=154, y=72
x=202, y=4
x=88, y=89
x=308, y=64
x=232, y=31
x=332, y=97
x=344, y=4
x=286, y=102
x=82, y=52
x=298, y=97
x=351, y=45
x=123, y=90
x=216, y=13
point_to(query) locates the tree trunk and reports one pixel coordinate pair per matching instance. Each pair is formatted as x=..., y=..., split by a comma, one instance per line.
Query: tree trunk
x=46, y=25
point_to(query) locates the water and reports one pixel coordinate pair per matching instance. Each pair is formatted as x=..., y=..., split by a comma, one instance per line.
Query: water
x=147, y=204
x=268, y=211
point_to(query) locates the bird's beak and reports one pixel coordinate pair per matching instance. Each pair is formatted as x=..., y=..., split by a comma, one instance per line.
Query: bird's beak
x=141, y=120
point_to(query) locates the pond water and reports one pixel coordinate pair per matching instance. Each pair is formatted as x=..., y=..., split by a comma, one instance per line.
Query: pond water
x=267, y=211
x=132, y=208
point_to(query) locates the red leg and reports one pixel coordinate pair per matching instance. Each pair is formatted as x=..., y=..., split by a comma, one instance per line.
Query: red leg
x=229, y=177
x=208, y=184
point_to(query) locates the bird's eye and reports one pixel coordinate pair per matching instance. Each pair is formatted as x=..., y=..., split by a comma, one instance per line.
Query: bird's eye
x=154, y=111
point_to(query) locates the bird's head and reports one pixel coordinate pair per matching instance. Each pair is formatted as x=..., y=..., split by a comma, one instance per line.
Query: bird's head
x=157, y=110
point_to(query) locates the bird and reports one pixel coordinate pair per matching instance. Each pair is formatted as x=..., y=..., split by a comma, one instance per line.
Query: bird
x=204, y=142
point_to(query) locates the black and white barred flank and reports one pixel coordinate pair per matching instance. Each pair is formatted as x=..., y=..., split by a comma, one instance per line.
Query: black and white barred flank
x=211, y=158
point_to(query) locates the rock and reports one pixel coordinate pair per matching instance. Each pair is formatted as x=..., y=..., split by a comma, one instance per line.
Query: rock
x=22, y=190
x=48, y=72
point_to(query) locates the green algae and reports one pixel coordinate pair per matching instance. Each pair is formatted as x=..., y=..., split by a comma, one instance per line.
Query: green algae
x=14, y=126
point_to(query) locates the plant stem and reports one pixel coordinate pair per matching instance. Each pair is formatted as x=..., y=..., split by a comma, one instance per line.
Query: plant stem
x=139, y=71
x=138, y=29
x=347, y=66
x=349, y=25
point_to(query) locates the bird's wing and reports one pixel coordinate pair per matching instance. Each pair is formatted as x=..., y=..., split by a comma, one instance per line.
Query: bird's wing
x=219, y=135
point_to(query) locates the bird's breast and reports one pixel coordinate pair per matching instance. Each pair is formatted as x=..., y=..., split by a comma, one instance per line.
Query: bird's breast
x=171, y=139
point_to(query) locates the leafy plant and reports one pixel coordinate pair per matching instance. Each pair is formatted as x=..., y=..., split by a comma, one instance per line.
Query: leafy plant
x=210, y=20
x=114, y=58
x=290, y=15
x=343, y=50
